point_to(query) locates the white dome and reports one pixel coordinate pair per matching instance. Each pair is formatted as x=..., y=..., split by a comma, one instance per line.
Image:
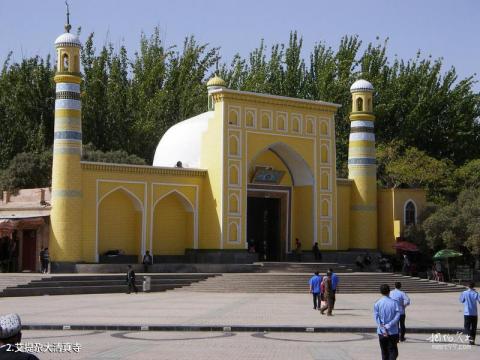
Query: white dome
x=183, y=142
x=68, y=39
x=361, y=85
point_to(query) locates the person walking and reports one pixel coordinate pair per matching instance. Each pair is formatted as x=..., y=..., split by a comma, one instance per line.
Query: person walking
x=131, y=280
x=11, y=337
x=335, y=281
x=403, y=301
x=314, y=283
x=328, y=295
x=147, y=261
x=470, y=298
x=387, y=315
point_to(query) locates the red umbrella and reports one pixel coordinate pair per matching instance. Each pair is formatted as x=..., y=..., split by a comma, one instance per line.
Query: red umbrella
x=405, y=246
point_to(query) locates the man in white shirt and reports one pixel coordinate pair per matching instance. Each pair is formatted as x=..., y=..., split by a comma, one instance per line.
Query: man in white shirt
x=403, y=301
x=470, y=298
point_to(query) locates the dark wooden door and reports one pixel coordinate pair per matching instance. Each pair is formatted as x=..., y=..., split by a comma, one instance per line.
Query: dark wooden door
x=29, y=250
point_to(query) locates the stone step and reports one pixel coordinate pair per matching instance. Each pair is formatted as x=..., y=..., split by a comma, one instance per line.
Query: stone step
x=75, y=290
x=298, y=283
x=96, y=284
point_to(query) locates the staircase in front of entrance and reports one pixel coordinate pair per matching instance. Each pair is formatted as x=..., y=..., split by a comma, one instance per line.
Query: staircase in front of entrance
x=350, y=283
x=11, y=280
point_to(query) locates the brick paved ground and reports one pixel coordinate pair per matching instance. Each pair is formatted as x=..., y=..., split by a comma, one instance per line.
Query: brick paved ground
x=233, y=346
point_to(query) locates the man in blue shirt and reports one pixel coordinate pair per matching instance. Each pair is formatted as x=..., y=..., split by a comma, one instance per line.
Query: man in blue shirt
x=403, y=301
x=335, y=282
x=314, y=283
x=387, y=315
x=470, y=298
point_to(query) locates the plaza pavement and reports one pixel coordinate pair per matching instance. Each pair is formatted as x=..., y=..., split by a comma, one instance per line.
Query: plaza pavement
x=225, y=309
x=278, y=324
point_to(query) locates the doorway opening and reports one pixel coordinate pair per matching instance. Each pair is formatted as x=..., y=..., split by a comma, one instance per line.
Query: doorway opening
x=29, y=250
x=267, y=222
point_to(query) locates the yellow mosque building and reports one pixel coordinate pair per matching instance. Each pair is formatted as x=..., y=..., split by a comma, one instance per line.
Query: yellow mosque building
x=254, y=172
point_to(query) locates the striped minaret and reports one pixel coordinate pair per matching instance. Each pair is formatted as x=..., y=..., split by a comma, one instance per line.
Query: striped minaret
x=66, y=214
x=362, y=168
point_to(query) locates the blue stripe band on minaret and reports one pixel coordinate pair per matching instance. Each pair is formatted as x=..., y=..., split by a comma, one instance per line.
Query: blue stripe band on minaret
x=68, y=135
x=361, y=161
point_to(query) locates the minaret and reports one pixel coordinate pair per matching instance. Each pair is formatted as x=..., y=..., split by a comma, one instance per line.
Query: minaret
x=66, y=214
x=213, y=84
x=362, y=168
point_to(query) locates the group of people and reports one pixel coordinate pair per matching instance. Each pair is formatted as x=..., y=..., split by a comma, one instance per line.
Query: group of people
x=363, y=261
x=323, y=290
x=389, y=313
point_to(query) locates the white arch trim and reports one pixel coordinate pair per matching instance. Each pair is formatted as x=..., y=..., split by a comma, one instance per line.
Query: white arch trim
x=136, y=201
x=188, y=206
x=405, y=211
x=299, y=170
x=234, y=195
x=239, y=174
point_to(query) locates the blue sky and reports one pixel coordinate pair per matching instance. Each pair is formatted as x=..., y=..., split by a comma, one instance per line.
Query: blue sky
x=441, y=28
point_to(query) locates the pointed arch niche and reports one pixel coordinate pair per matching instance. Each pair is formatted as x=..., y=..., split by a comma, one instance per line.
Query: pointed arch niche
x=120, y=222
x=173, y=224
x=297, y=213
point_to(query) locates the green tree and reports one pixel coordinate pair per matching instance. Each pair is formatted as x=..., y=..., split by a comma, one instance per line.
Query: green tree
x=27, y=170
x=456, y=225
x=402, y=166
x=27, y=96
x=89, y=153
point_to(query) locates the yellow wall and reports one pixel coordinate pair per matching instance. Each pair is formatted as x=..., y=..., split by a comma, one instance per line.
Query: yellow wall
x=302, y=222
x=120, y=224
x=343, y=213
x=212, y=199
x=386, y=236
x=173, y=226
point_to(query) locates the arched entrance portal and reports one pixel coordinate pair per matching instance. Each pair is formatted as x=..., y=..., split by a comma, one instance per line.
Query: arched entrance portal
x=280, y=202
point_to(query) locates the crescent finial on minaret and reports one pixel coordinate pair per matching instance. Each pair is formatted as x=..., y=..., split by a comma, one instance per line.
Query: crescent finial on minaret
x=67, y=25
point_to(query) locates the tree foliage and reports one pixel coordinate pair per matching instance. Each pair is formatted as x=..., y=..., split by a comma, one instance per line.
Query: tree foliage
x=403, y=166
x=456, y=225
x=129, y=101
x=27, y=170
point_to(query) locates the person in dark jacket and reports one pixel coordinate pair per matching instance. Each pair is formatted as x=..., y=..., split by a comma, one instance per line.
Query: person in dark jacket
x=131, y=280
x=147, y=261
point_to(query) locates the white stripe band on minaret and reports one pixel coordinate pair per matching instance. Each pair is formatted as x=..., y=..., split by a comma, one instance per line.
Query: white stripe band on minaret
x=68, y=104
x=361, y=123
x=362, y=136
x=68, y=87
